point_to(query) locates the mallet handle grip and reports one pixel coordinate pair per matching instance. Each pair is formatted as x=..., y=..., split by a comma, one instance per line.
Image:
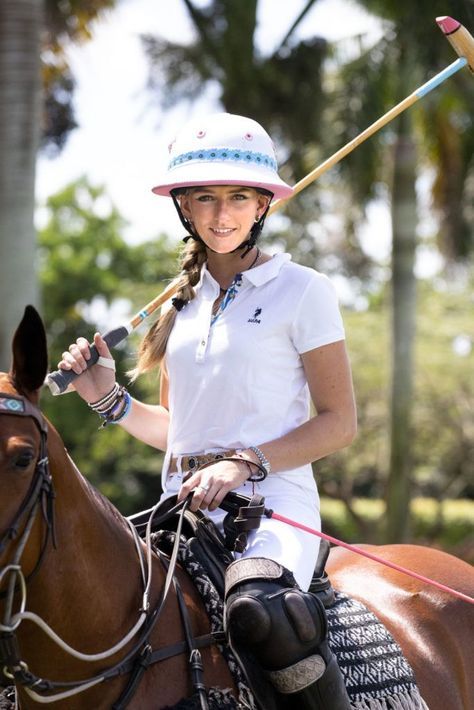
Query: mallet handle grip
x=59, y=380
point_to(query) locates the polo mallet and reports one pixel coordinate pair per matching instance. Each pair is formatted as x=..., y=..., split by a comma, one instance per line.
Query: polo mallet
x=463, y=44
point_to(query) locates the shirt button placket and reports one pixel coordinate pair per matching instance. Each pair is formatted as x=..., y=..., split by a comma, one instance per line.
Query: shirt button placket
x=201, y=350
x=202, y=345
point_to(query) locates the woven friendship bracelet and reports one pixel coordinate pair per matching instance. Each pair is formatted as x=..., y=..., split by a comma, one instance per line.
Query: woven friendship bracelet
x=255, y=477
x=114, y=406
x=126, y=402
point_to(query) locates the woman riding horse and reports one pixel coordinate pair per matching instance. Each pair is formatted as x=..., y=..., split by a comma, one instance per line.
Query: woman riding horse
x=248, y=343
x=82, y=578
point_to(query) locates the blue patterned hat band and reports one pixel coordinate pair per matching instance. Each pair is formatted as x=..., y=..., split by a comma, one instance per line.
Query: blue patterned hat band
x=223, y=154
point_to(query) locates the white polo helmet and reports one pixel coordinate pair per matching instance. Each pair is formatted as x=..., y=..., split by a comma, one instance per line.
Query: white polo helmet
x=223, y=149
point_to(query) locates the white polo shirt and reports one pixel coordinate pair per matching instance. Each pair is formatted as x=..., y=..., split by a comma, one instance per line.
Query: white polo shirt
x=241, y=382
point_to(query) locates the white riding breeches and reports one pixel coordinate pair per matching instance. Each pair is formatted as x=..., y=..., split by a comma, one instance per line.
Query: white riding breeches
x=291, y=547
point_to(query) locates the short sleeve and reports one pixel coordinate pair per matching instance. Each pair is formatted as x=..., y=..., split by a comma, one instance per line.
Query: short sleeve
x=318, y=319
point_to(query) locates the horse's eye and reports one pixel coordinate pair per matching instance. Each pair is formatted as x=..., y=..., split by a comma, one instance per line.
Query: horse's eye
x=24, y=460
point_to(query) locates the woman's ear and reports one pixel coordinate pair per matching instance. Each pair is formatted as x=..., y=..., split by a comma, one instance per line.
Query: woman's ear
x=262, y=202
x=184, y=201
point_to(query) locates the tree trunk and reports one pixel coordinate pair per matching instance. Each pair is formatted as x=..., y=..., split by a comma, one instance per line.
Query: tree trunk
x=404, y=224
x=20, y=95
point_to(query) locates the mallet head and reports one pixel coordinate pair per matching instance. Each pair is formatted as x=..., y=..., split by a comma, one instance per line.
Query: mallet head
x=459, y=38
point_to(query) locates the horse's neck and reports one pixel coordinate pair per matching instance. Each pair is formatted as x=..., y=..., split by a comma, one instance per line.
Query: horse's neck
x=94, y=568
x=90, y=591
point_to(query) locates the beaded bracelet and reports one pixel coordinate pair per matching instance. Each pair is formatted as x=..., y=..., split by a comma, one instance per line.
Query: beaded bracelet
x=262, y=458
x=105, y=402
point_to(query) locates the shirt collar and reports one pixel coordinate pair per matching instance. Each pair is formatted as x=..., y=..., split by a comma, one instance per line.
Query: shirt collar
x=267, y=271
x=257, y=276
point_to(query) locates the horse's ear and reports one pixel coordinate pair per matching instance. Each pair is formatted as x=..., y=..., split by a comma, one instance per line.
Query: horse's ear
x=30, y=357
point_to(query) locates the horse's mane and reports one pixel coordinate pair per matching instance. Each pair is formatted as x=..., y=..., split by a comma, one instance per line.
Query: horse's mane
x=101, y=500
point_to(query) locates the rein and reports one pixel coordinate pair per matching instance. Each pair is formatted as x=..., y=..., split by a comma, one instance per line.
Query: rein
x=141, y=655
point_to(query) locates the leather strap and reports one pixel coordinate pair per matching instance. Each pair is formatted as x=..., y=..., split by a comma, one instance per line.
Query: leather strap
x=191, y=462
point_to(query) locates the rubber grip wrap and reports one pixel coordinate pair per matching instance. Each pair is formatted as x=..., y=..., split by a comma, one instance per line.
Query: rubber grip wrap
x=59, y=381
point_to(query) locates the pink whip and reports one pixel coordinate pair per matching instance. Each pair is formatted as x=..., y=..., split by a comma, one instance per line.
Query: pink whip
x=370, y=556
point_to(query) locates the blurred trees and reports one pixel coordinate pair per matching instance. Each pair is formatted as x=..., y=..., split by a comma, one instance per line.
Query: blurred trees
x=402, y=60
x=443, y=395
x=285, y=91
x=35, y=108
x=64, y=22
x=442, y=430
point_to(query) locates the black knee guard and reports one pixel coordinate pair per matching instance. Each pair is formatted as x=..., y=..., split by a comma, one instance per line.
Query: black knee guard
x=285, y=629
x=267, y=612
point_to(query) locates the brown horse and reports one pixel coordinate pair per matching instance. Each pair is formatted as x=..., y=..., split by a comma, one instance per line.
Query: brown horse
x=87, y=586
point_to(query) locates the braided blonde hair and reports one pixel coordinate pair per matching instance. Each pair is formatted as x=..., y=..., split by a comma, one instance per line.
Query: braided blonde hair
x=153, y=346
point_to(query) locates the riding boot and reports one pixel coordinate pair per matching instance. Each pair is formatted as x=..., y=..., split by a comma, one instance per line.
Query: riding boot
x=315, y=683
x=285, y=630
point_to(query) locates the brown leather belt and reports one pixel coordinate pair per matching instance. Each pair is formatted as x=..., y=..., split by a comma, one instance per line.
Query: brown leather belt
x=191, y=462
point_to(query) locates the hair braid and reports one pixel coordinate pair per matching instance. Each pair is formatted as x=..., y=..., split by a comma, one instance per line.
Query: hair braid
x=153, y=346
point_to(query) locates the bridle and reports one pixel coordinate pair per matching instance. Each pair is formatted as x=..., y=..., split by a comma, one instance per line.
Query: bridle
x=40, y=495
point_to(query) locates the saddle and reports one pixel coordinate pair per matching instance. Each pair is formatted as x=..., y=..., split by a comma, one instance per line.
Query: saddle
x=213, y=550
x=377, y=675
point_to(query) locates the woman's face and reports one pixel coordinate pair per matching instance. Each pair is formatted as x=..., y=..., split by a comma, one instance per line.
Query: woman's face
x=222, y=215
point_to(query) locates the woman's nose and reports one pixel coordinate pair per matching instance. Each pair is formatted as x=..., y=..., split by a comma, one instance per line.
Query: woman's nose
x=221, y=208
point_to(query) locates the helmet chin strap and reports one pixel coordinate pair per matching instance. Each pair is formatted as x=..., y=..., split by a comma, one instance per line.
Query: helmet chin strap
x=247, y=244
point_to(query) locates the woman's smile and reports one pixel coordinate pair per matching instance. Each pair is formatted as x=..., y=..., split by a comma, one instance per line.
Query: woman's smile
x=222, y=231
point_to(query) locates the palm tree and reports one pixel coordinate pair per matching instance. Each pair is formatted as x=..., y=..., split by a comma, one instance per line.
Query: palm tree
x=26, y=28
x=20, y=110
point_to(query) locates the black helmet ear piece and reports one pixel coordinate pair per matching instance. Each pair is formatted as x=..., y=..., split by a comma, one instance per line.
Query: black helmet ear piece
x=192, y=234
x=257, y=227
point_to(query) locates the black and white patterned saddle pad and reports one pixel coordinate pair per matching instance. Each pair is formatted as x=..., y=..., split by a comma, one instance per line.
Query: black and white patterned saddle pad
x=377, y=675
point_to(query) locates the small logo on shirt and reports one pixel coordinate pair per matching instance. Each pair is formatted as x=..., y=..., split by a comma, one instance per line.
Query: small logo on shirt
x=255, y=318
